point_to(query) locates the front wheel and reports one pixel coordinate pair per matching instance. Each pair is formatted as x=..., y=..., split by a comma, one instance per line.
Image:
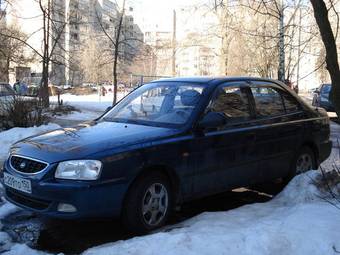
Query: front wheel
x=148, y=204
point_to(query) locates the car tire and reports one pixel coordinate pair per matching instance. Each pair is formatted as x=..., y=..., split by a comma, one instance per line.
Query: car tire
x=148, y=203
x=303, y=161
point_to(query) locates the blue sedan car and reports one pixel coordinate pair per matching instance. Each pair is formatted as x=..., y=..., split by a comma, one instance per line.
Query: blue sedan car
x=167, y=142
x=322, y=98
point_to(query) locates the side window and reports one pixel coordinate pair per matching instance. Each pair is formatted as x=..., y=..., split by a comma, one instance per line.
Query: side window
x=290, y=103
x=268, y=101
x=232, y=102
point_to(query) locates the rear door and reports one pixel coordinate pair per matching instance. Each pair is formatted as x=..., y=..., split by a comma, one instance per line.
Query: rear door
x=279, y=131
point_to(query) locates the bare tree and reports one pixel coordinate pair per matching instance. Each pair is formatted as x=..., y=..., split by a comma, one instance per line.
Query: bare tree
x=95, y=62
x=11, y=50
x=117, y=43
x=123, y=45
x=328, y=39
x=52, y=32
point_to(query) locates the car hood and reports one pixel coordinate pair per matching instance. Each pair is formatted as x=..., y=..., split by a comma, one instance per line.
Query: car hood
x=87, y=139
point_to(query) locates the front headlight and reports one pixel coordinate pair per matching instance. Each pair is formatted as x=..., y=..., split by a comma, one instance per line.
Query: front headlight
x=79, y=170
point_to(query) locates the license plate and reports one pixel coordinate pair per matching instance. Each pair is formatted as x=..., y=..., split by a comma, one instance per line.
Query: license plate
x=17, y=183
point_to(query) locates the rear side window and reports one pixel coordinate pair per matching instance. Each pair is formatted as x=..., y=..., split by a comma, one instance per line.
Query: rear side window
x=268, y=101
x=232, y=102
x=290, y=103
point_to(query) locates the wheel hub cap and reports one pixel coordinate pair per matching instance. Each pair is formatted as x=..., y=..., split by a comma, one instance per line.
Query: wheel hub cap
x=155, y=204
x=304, y=163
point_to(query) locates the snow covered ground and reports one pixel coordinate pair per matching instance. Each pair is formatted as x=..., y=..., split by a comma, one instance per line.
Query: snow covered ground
x=297, y=221
x=302, y=219
x=92, y=102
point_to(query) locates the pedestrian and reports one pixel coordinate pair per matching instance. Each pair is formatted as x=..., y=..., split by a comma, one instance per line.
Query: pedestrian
x=23, y=89
x=16, y=86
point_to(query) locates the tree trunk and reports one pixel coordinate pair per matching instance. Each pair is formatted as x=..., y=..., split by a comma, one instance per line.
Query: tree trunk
x=44, y=96
x=321, y=17
x=115, y=85
x=115, y=61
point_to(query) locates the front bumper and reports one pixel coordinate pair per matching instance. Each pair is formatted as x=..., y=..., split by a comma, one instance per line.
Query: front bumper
x=91, y=200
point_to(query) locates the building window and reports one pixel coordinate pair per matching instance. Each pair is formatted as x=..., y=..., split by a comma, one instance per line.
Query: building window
x=131, y=9
x=75, y=36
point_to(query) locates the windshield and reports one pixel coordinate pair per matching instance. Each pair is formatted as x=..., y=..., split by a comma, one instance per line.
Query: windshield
x=168, y=104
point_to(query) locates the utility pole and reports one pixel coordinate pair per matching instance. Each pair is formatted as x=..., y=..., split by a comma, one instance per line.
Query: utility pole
x=281, y=71
x=174, y=45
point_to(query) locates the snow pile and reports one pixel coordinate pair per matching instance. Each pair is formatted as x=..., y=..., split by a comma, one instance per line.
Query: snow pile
x=297, y=221
x=7, y=138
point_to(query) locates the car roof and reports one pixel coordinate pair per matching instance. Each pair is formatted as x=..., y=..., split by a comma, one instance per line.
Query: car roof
x=211, y=80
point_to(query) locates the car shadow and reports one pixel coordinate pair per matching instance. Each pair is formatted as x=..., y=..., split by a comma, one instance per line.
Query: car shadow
x=73, y=237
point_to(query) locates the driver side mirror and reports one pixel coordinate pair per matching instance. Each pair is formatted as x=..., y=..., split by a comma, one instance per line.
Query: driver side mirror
x=212, y=120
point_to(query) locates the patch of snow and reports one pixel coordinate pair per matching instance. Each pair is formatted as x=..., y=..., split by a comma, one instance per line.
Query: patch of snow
x=5, y=242
x=297, y=221
x=22, y=249
x=6, y=209
x=8, y=137
x=93, y=102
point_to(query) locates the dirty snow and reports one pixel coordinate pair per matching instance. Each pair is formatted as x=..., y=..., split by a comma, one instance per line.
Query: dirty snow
x=7, y=138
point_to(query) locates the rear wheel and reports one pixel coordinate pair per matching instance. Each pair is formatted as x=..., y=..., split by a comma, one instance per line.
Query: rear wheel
x=148, y=204
x=303, y=161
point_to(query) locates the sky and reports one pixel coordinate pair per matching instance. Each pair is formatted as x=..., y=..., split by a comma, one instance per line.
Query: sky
x=149, y=13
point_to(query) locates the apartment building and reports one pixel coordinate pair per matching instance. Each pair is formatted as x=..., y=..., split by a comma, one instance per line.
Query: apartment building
x=73, y=23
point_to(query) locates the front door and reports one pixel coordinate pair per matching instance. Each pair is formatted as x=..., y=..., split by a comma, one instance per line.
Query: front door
x=226, y=155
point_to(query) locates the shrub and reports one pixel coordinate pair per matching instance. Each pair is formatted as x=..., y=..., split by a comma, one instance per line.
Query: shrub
x=20, y=111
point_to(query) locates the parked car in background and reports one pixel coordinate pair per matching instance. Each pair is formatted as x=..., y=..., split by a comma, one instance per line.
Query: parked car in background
x=7, y=94
x=322, y=98
x=196, y=137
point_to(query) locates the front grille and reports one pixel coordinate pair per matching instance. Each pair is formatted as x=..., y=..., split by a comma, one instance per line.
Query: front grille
x=34, y=203
x=25, y=165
